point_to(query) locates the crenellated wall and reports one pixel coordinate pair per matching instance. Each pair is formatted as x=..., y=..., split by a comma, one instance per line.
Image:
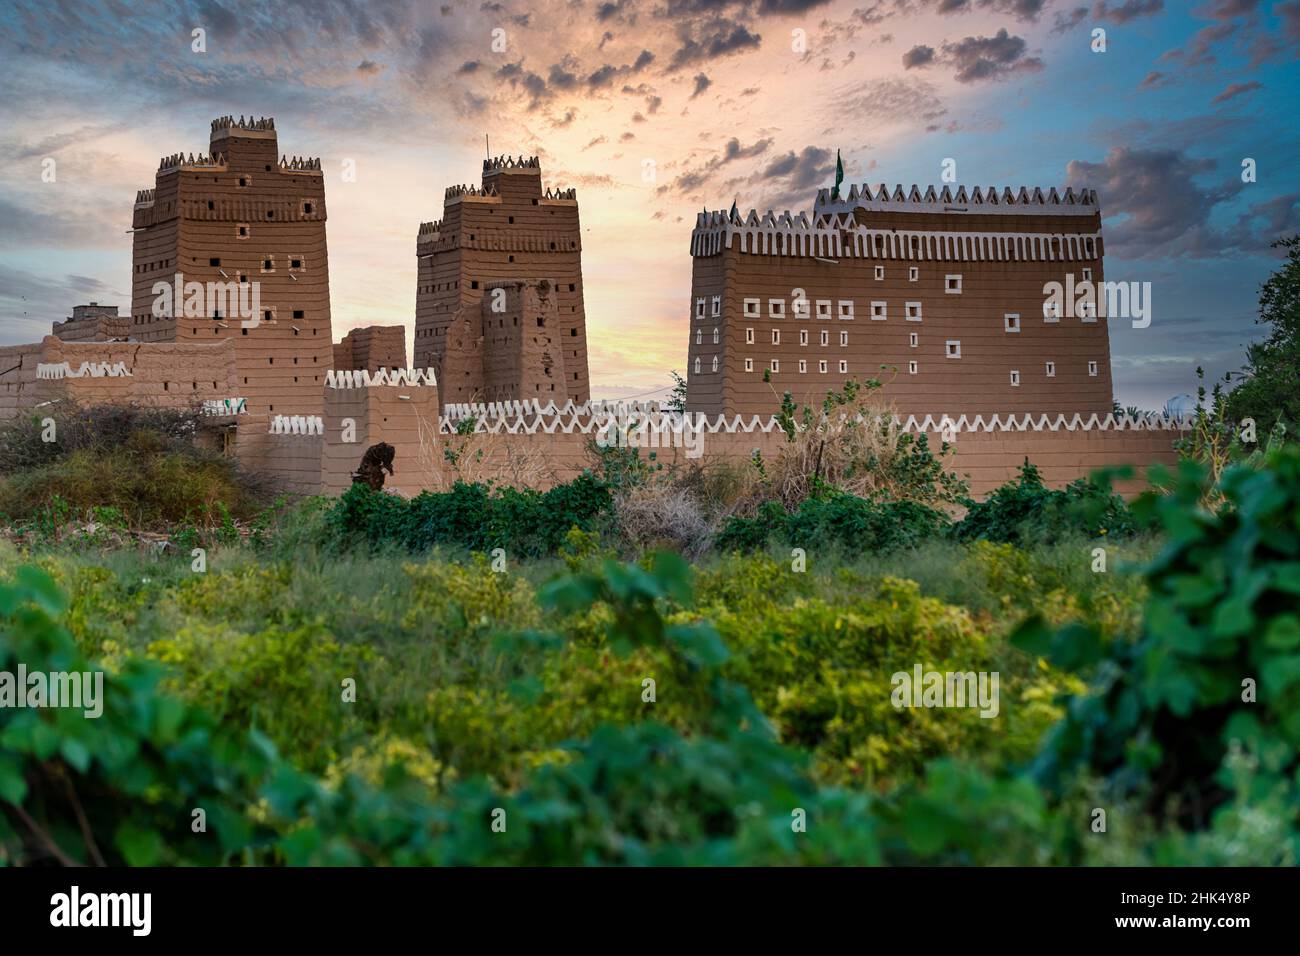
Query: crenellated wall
x=161, y=374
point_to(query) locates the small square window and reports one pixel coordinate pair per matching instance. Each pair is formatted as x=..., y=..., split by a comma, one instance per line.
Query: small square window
x=880, y=273
x=1087, y=274
x=913, y=340
x=749, y=365
x=952, y=284
x=297, y=313
x=912, y=312
x=911, y=368
x=823, y=308
x=821, y=366
x=749, y=336
x=214, y=262
x=803, y=366
x=913, y=274
x=751, y=308
x=846, y=309
x=1015, y=378
x=953, y=349
x=1051, y=370
x=879, y=311
x=306, y=208
x=1092, y=368
x=776, y=308
x=1011, y=322
x=844, y=367
x=295, y=263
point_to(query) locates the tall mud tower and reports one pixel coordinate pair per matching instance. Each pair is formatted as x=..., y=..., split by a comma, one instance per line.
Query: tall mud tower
x=499, y=311
x=239, y=236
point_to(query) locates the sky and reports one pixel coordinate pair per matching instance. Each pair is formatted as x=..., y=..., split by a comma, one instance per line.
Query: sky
x=656, y=109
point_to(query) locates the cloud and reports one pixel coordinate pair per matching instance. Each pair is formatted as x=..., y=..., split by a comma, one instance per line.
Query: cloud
x=1236, y=89
x=1020, y=9
x=893, y=100
x=1153, y=205
x=796, y=176
x=989, y=58
x=919, y=55
x=1129, y=10
x=702, y=83
x=1154, y=80
x=693, y=179
x=369, y=68
x=713, y=40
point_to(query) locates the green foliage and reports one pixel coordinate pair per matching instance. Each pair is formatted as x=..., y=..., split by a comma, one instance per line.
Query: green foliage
x=147, y=468
x=222, y=692
x=1027, y=510
x=470, y=516
x=1222, y=616
x=834, y=521
x=1270, y=390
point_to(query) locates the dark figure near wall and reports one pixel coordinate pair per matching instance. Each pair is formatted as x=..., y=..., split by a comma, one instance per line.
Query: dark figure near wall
x=374, y=462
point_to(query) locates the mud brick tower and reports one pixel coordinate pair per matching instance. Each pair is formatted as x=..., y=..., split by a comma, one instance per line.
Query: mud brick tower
x=239, y=216
x=946, y=288
x=499, y=310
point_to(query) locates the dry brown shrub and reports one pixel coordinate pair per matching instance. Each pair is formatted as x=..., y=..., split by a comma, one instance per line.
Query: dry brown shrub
x=853, y=442
x=519, y=461
x=664, y=516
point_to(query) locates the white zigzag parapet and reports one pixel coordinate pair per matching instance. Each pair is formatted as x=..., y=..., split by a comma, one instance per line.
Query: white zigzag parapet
x=534, y=407
x=91, y=369
x=501, y=418
x=297, y=425
x=363, y=378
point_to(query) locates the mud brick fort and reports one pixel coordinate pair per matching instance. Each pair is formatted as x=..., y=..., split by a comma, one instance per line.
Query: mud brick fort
x=230, y=314
x=944, y=289
x=498, y=307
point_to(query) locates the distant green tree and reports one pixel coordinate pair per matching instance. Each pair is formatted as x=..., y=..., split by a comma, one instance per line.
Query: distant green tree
x=677, y=397
x=1270, y=389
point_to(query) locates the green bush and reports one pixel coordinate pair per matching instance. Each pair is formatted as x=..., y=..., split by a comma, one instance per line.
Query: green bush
x=1217, y=660
x=146, y=469
x=1027, y=510
x=474, y=517
x=834, y=521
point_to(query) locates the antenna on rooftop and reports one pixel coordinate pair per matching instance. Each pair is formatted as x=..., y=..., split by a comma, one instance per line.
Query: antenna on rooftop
x=487, y=147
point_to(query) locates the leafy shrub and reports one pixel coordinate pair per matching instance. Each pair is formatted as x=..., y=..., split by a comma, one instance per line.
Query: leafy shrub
x=471, y=516
x=835, y=521
x=1027, y=509
x=1222, y=617
x=149, y=468
x=853, y=444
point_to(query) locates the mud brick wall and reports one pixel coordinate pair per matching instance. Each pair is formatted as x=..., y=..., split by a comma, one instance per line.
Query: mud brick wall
x=372, y=347
x=405, y=416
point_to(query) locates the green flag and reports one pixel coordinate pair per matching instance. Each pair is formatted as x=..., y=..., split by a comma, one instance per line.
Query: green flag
x=839, y=177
